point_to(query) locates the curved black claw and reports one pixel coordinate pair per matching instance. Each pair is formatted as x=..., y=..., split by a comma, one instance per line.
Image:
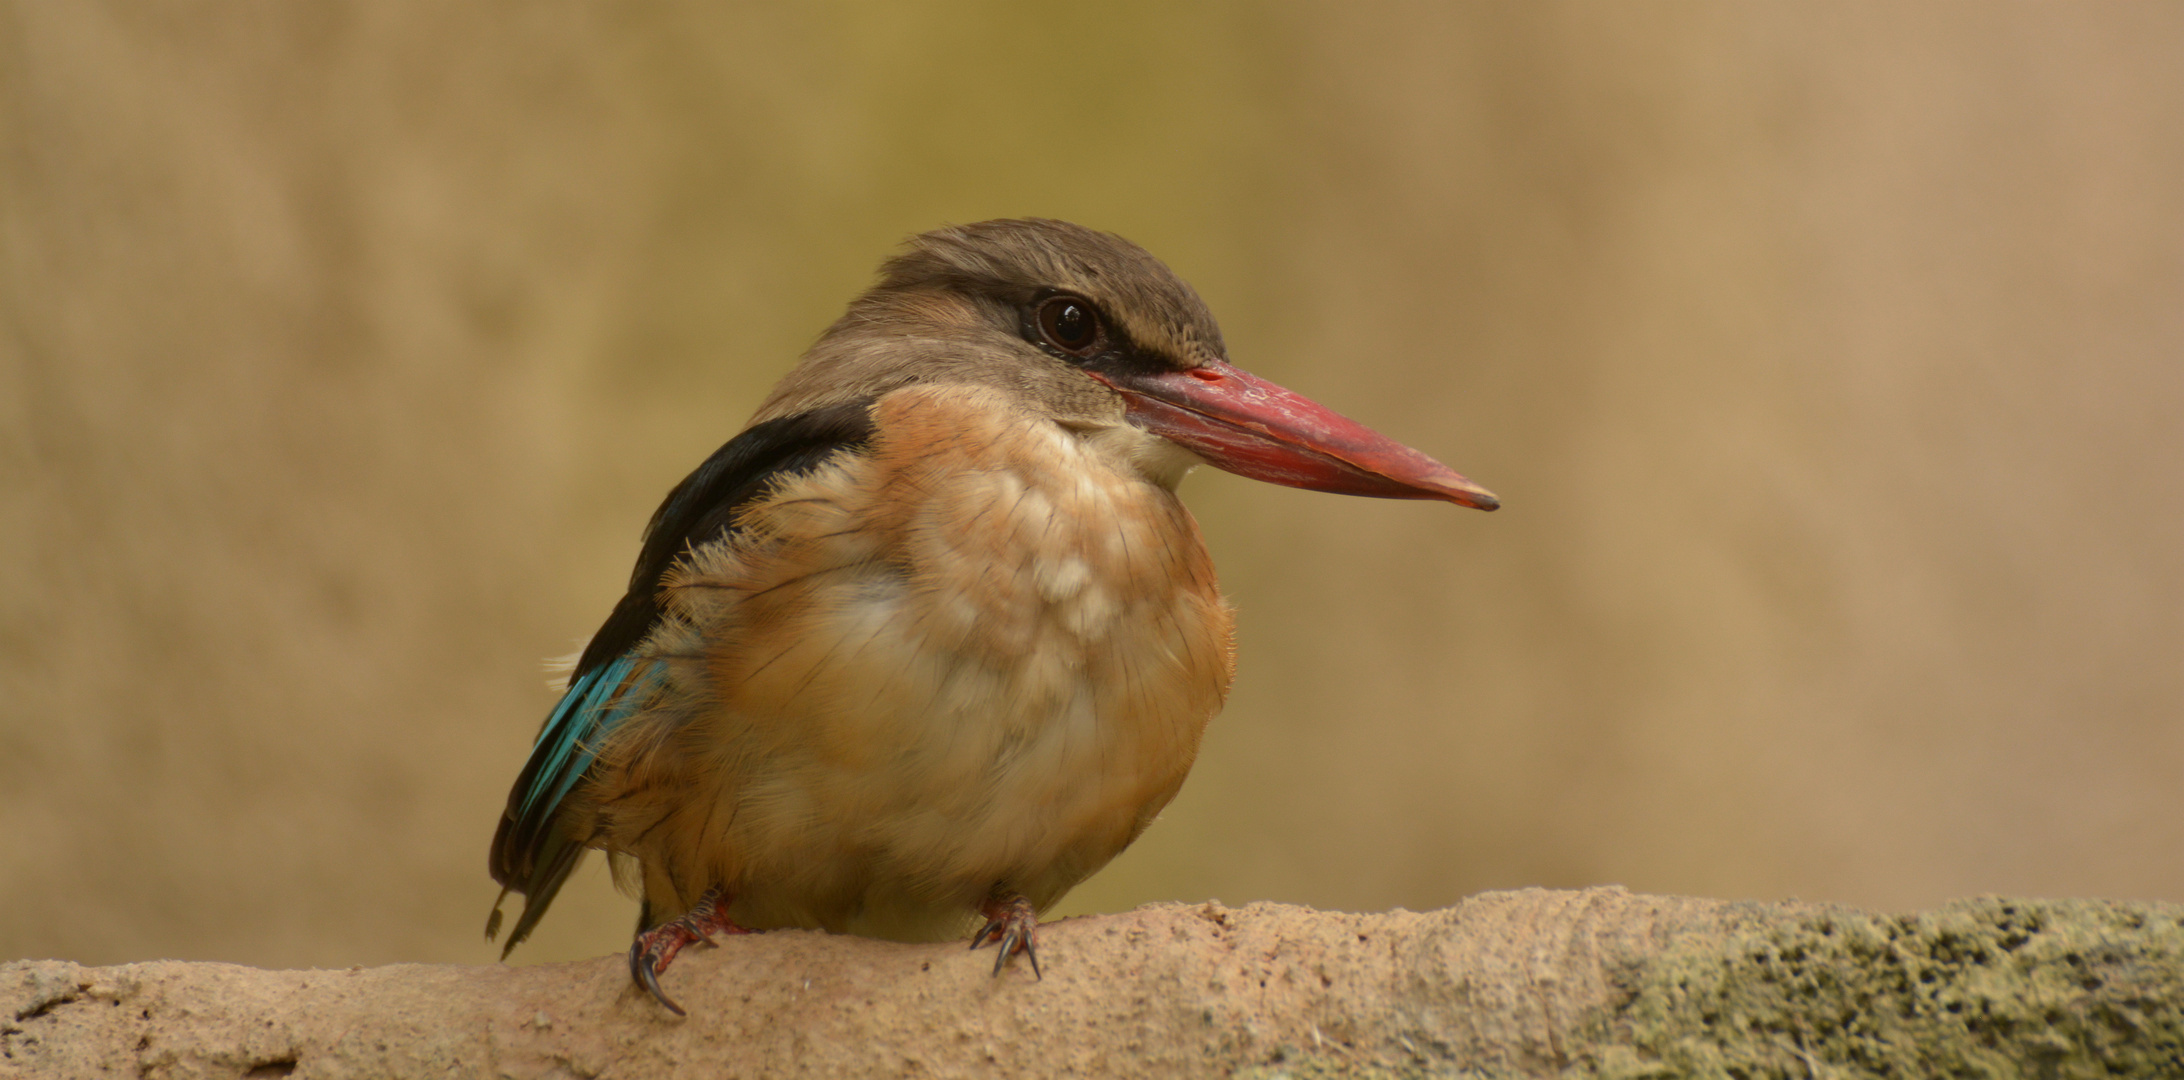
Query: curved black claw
x=1014, y=924
x=656, y=948
x=645, y=974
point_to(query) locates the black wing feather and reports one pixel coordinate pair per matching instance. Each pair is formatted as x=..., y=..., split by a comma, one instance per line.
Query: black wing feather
x=703, y=507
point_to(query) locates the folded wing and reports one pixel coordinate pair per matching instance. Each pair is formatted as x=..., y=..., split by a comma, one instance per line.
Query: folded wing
x=534, y=850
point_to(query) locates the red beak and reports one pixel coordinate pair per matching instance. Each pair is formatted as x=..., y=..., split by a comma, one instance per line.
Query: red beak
x=1251, y=427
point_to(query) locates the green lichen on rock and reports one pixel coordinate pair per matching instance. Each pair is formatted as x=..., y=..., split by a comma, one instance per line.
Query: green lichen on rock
x=1979, y=988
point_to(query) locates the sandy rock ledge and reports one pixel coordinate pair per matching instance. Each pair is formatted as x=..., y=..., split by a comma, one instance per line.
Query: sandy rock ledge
x=1533, y=983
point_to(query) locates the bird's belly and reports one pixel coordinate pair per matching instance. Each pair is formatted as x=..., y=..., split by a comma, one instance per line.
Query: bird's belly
x=918, y=777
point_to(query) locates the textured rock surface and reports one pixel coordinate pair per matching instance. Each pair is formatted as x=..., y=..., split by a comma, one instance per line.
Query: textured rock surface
x=1532, y=983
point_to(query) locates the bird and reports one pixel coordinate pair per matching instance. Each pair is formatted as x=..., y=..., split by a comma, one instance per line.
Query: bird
x=932, y=639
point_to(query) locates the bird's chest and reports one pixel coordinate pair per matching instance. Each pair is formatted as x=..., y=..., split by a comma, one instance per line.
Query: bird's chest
x=980, y=655
x=994, y=605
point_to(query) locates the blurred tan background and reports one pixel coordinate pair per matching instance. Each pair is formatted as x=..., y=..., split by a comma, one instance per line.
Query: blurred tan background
x=1829, y=356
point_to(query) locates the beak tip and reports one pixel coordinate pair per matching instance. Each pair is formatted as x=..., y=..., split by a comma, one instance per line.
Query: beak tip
x=1461, y=491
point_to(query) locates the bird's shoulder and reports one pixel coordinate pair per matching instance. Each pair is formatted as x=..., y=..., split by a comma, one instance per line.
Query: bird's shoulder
x=709, y=503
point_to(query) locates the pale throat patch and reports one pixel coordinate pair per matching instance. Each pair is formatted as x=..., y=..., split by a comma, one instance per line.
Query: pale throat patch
x=1149, y=455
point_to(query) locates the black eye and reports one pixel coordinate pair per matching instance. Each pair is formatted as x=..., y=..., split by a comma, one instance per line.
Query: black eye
x=1069, y=324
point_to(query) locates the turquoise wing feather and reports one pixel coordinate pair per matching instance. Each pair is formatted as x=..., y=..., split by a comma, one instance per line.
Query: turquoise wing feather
x=534, y=852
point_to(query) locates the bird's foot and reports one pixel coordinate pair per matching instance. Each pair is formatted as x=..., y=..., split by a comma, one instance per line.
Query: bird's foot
x=654, y=949
x=1012, y=922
